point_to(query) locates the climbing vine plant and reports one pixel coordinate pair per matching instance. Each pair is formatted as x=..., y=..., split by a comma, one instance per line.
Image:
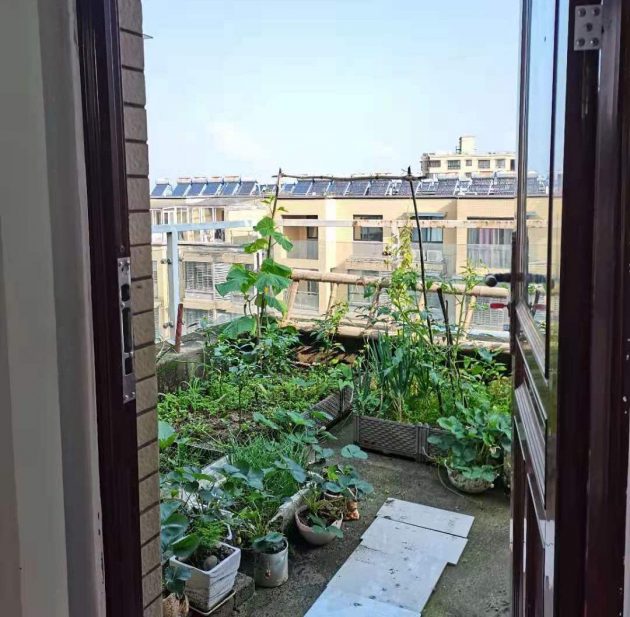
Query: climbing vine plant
x=261, y=289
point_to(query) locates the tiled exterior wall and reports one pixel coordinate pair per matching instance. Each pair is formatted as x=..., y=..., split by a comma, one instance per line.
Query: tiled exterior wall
x=132, y=57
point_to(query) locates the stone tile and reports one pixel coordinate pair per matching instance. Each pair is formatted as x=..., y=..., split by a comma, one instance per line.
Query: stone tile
x=425, y=516
x=147, y=427
x=147, y=460
x=151, y=586
x=149, y=491
x=132, y=50
x=142, y=295
x=141, y=266
x=137, y=156
x=146, y=393
x=400, y=580
x=138, y=192
x=135, y=123
x=149, y=524
x=150, y=555
x=143, y=329
x=344, y=604
x=144, y=362
x=130, y=15
x=134, y=88
x=400, y=538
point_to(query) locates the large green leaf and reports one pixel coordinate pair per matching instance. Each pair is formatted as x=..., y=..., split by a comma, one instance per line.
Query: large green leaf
x=352, y=451
x=238, y=279
x=256, y=245
x=167, y=508
x=166, y=435
x=272, y=267
x=267, y=282
x=265, y=227
x=186, y=546
x=242, y=325
x=282, y=240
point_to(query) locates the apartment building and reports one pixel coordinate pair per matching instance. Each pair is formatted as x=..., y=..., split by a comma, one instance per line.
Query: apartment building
x=466, y=162
x=462, y=221
x=205, y=256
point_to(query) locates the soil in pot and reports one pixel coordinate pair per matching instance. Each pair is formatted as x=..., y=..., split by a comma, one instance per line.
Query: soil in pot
x=271, y=569
x=466, y=485
x=172, y=606
x=306, y=531
x=211, y=560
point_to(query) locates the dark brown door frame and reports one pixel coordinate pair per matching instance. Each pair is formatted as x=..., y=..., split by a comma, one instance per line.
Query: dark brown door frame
x=559, y=580
x=610, y=348
x=99, y=57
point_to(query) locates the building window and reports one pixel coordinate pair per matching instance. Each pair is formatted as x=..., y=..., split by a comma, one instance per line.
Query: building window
x=368, y=234
x=199, y=276
x=433, y=164
x=468, y=162
x=432, y=235
x=312, y=233
x=484, y=163
x=500, y=163
x=490, y=235
x=194, y=319
x=454, y=164
x=512, y=164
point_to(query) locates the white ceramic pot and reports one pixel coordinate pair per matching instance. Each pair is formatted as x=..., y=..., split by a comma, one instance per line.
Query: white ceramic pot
x=271, y=569
x=312, y=537
x=206, y=589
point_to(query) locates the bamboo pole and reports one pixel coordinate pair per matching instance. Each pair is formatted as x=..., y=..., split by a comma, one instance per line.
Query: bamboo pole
x=343, y=278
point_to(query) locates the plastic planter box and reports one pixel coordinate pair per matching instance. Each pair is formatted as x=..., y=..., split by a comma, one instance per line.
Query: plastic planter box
x=398, y=438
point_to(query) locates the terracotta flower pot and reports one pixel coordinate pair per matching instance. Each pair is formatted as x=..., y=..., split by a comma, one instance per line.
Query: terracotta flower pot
x=312, y=537
x=172, y=606
x=466, y=485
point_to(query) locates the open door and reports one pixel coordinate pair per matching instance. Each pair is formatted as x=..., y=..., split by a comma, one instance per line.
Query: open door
x=551, y=287
x=570, y=282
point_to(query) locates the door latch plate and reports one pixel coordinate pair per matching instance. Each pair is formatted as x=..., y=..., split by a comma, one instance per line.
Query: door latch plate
x=588, y=27
x=126, y=330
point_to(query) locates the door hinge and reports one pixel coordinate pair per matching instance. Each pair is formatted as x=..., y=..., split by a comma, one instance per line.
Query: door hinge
x=588, y=28
x=126, y=330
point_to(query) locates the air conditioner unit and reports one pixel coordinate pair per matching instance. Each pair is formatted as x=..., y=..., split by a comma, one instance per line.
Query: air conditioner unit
x=434, y=256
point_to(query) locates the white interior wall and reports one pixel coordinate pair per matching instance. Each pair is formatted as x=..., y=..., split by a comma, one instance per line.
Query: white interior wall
x=49, y=528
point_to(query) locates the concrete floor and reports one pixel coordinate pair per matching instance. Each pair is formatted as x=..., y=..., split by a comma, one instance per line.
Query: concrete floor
x=477, y=587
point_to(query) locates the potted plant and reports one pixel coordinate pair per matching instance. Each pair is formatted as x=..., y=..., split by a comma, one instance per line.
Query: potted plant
x=271, y=559
x=211, y=568
x=473, y=444
x=319, y=519
x=175, y=541
x=342, y=481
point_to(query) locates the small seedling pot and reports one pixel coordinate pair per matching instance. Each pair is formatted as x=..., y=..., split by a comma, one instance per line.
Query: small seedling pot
x=312, y=537
x=206, y=588
x=271, y=569
x=172, y=606
x=466, y=485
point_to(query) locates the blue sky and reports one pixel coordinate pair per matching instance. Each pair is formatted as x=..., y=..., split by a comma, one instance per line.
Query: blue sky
x=323, y=86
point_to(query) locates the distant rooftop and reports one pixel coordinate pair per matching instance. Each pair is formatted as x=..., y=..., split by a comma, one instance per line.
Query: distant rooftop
x=497, y=185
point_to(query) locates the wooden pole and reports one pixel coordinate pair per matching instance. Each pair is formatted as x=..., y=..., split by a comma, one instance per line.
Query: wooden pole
x=341, y=278
x=178, y=327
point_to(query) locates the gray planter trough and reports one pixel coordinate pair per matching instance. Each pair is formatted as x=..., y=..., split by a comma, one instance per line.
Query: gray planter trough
x=397, y=438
